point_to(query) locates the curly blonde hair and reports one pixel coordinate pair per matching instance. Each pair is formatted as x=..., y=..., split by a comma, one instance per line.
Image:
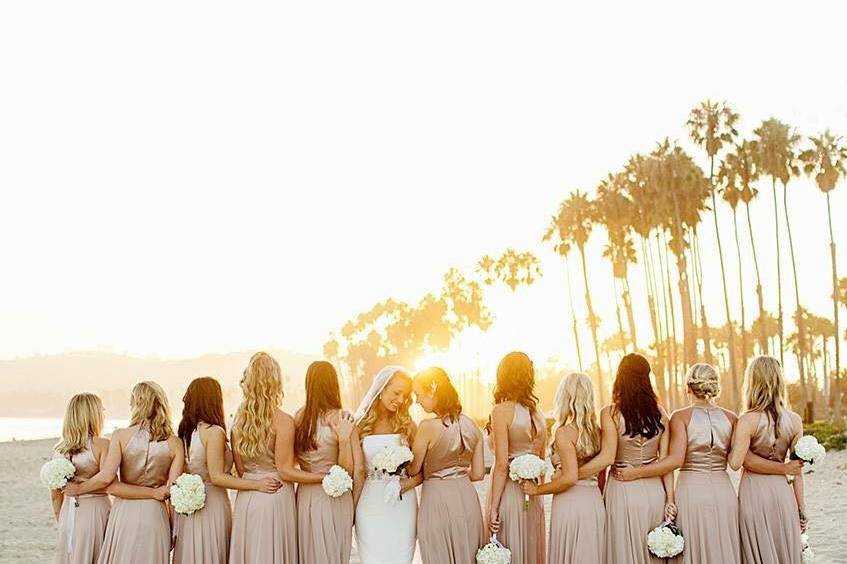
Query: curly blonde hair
x=83, y=420
x=262, y=388
x=149, y=408
x=574, y=405
x=401, y=421
x=703, y=381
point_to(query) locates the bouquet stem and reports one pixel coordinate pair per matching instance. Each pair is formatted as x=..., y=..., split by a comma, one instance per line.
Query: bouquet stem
x=525, y=502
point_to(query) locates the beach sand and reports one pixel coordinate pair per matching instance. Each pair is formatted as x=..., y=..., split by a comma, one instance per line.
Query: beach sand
x=28, y=531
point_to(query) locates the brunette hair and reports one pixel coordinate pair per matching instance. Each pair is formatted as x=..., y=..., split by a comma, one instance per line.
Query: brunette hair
x=203, y=402
x=322, y=395
x=634, y=398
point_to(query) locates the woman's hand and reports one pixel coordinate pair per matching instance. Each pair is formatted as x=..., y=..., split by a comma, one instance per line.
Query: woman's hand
x=804, y=521
x=493, y=521
x=267, y=485
x=670, y=511
x=793, y=467
x=161, y=493
x=407, y=484
x=529, y=487
x=625, y=473
x=71, y=490
x=342, y=426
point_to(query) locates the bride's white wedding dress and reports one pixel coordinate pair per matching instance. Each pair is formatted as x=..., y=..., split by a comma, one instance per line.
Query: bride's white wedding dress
x=385, y=533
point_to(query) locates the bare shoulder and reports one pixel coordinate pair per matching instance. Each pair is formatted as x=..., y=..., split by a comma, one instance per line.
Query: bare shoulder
x=123, y=434
x=749, y=419
x=731, y=415
x=568, y=433
x=175, y=444
x=283, y=420
x=681, y=415
x=429, y=425
x=607, y=414
x=664, y=412
x=796, y=421
x=503, y=411
x=100, y=445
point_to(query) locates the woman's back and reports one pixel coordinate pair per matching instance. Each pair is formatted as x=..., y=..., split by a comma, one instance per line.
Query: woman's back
x=525, y=432
x=452, y=454
x=145, y=462
x=637, y=450
x=709, y=433
x=766, y=442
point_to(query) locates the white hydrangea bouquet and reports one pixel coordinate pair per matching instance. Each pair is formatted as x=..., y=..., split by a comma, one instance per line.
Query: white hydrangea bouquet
x=493, y=553
x=665, y=541
x=389, y=464
x=808, y=553
x=188, y=494
x=808, y=449
x=57, y=472
x=528, y=467
x=337, y=482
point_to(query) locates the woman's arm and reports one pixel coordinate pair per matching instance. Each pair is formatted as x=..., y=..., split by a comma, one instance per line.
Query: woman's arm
x=131, y=491
x=360, y=473
x=500, y=471
x=608, y=446
x=799, y=484
x=108, y=469
x=755, y=463
x=741, y=439
x=56, y=499
x=420, y=446
x=477, y=470
x=342, y=426
x=667, y=479
x=566, y=438
x=215, y=440
x=284, y=453
x=665, y=464
x=411, y=481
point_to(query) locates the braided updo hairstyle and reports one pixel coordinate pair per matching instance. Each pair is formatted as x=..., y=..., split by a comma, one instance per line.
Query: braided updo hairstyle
x=703, y=381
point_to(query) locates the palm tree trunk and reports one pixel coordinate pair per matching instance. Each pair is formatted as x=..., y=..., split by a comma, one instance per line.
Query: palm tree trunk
x=704, y=321
x=837, y=403
x=573, y=315
x=655, y=322
x=630, y=316
x=733, y=369
x=618, y=306
x=740, y=292
x=668, y=350
x=592, y=322
x=780, y=318
x=763, y=335
x=675, y=361
x=807, y=398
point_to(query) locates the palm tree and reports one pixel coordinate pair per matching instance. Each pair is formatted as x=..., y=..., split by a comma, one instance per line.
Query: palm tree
x=826, y=161
x=563, y=249
x=573, y=224
x=712, y=125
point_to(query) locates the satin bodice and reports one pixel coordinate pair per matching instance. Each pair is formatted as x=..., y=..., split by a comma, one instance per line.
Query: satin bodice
x=765, y=442
x=524, y=432
x=325, y=454
x=709, y=433
x=85, y=463
x=637, y=450
x=145, y=462
x=556, y=461
x=263, y=463
x=452, y=455
x=195, y=458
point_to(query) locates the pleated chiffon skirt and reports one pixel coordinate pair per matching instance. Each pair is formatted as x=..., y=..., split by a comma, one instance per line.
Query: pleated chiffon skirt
x=203, y=536
x=708, y=518
x=264, y=527
x=450, y=527
x=81, y=535
x=522, y=532
x=577, y=526
x=139, y=532
x=324, y=526
x=768, y=520
x=633, y=509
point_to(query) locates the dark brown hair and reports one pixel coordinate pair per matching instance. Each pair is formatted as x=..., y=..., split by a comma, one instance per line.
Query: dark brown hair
x=447, y=404
x=634, y=398
x=322, y=395
x=203, y=401
x=516, y=381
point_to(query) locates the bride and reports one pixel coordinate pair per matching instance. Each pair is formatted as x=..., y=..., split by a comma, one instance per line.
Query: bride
x=385, y=525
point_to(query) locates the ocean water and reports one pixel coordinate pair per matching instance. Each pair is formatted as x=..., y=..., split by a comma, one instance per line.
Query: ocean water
x=31, y=428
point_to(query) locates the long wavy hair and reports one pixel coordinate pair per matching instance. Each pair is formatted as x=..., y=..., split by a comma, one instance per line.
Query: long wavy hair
x=262, y=388
x=83, y=421
x=634, y=398
x=322, y=395
x=150, y=409
x=574, y=405
x=203, y=402
x=401, y=421
x=436, y=381
x=516, y=382
x=764, y=388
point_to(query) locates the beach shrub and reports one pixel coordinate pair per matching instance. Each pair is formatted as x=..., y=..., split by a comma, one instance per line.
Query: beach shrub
x=831, y=436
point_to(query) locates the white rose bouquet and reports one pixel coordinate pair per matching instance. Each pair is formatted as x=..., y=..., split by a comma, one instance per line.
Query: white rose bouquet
x=57, y=472
x=188, y=494
x=808, y=553
x=493, y=553
x=665, y=541
x=808, y=449
x=389, y=464
x=337, y=482
x=528, y=467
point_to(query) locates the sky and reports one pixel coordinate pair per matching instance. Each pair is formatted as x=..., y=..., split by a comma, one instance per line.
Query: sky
x=203, y=177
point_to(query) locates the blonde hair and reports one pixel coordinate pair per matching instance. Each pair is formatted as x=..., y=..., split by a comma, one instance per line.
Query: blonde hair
x=83, y=420
x=262, y=388
x=401, y=421
x=150, y=409
x=764, y=388
x=574, y=405
x=703, y=381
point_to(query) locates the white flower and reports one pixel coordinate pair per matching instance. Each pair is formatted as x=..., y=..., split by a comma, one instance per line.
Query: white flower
x=391, y=494
x=809, y=449
x=493, y=553
x=808, y=553
x=391, y=459
x=665, y=541
x=337, y=482
x=56, y=472
x=188, y=494
x=528, y=467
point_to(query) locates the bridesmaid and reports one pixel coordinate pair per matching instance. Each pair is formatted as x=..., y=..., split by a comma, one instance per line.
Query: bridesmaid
x=203, y=536
x=82, y=520
x=633, y=434
x=578, y=517
x=264, y=525
x=449, y=450
x=324, y=438
x=517, y=428
x=771, y=515
x=700, y=441
x=149, y=457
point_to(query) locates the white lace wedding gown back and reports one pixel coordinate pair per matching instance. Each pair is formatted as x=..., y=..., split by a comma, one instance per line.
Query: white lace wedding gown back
x=385, y=533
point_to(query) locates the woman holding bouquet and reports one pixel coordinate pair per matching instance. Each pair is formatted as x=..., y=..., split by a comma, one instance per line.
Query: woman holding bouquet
x=517, y=428
x=264, y=524
x=448, y=449
x=771, y=515
x=324, y=437
x=700, y=438
x=149, y=457
x=385, y=519
x=578, y=517
x=82, y=520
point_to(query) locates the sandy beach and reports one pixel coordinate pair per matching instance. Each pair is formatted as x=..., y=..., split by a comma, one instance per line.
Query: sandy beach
x=27, y=528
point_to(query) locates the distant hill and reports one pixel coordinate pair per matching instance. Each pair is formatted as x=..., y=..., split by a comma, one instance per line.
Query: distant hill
x=40, y=386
